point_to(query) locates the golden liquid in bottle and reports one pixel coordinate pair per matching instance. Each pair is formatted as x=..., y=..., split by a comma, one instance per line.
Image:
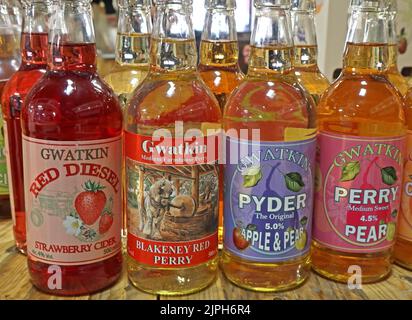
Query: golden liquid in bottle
x=403, y=245
x=132, y=65
x=380, y=115
x=308, y=73
x=220, y=71
x=289, y=107
x=395, y=77
x=162, y=99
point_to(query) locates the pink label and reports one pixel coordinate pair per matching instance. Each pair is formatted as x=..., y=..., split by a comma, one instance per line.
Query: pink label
x=358, y=192
x=73, y=200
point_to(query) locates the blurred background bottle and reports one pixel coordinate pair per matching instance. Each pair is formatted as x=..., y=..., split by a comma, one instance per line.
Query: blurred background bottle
x=132, y=48
x=394, y=75
x=306, y=48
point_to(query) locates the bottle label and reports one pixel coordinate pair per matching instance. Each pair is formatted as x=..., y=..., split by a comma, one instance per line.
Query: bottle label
x=269, y=199
x=4, y=183
x=172, y=200
x=73, y=195
x=405, y=218
x=358, y=192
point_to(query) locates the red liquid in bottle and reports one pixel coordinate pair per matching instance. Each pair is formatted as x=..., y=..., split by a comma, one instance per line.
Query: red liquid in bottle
x=33, y=66
x=71, y=103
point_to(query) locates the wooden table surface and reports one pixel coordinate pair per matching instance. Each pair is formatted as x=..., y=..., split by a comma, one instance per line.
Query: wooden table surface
x=15, y=284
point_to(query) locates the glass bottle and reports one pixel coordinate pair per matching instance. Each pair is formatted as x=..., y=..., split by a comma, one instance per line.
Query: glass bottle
x=72, y=148
x=403, y=244
x=33, y=46
x=306, y=48
x=394, y=75
x=172, y=201
x=218, y=66
x=132, y=48
x=9, y=63
x=361, y=139
x=270, y=125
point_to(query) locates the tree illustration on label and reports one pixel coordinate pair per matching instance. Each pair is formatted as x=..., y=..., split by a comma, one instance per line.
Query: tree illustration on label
x=350, y=171
x=251, y=177
x=90, y=203
x=294, y=181
x=389, y=176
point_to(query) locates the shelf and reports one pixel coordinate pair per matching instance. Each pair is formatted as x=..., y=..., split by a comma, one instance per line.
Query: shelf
x=15, y=284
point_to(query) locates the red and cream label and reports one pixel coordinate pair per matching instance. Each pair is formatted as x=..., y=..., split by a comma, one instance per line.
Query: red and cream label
x=73, y=199
x=172, y=200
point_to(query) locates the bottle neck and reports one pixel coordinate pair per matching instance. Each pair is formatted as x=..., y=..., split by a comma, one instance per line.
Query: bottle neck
x=392, y=40
x=367, y=43
x=34, y=37
x=72, y=40
x=173, y=46
x=272, y=44
x=133, y=36
x=219, y=45
x=304, y=38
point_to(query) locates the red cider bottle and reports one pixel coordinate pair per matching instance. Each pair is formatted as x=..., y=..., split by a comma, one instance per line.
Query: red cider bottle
x=72, y=146
x=9, y=63
x=33, y=66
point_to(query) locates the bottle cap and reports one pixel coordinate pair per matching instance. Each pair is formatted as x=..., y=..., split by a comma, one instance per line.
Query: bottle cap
x=272, y=3
x=220, y=4
x=303, y=5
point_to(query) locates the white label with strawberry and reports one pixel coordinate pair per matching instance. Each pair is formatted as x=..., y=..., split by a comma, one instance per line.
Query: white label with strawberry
x=73, y=200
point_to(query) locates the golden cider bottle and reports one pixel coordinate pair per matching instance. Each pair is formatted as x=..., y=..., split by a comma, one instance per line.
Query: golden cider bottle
x=395, y=77
x=361, y=140
x=270, y=129
x=219, y=56
x=172, y=174
x=132, y=48
x=306, y=48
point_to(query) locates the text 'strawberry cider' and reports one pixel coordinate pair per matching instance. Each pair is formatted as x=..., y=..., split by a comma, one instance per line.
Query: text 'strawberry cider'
x=306, y=48
x=72, y=146
x=172, y=175
x=269, y=172
x=361, y=152
x=9, y=63
x=218, y=66
x=33, y=66
x=403, y=245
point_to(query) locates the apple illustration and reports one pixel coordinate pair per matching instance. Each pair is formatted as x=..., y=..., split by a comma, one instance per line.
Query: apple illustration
x=240, y=242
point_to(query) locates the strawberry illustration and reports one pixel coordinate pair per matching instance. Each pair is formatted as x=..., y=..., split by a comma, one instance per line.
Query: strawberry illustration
x=106, y=222
x=90, y=203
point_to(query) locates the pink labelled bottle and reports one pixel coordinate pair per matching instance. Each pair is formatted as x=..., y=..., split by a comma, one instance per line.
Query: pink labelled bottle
x=360, y=167
x=9, y=63
x=72, y=150
x=33, y=66
x=268, y=190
